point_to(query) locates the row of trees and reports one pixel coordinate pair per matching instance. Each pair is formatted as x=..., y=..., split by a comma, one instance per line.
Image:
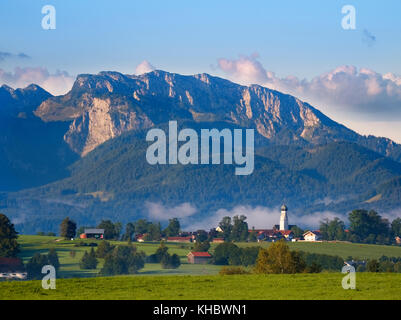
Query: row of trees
x=126, y=259
x=364, y=227
x=112, y=231
x=36, y=263
x=232, y=255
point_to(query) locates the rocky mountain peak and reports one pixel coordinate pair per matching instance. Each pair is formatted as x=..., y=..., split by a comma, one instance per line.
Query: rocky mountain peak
x=105, y=105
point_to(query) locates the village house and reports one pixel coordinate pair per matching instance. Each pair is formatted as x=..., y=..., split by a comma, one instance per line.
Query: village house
x=287, y=234
x=218, y=240
x=12, y=269
x=92, y=234
x=199, y=257
x=140, y=237
x=312, y=236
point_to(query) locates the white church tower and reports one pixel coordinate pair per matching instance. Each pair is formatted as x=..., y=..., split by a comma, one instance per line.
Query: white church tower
x=283, y=218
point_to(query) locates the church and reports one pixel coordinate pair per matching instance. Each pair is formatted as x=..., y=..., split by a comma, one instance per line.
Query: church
x=279, y=231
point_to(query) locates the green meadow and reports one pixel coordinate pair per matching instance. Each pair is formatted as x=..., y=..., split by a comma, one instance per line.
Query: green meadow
x=70, y=264
x=323, y=286
x=201, y=281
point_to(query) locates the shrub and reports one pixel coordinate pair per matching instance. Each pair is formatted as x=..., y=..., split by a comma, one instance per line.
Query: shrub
x=373, y=266
x=170, y=261
x=314, y=268
x=123, y=260
x=233, y=271
x=279, y=259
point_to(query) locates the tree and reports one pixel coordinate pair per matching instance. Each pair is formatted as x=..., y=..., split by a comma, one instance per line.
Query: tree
x=332, y=230
x=368, y=225
x=396, y=227
x=141, y=226
x=173, y=228
x=201, y=236
x=239, y=230
x=279, y=259
x=373, y=266
x=154, y=232
x=53, y=258
x=226, y=226
x=223, y=252
x=103, y=249
x=68, y=228
x=314, y=268
x=81, y=230
x=161, y=252
x=123, y=260
x=129, y=231
x=249, y=256
x=253, y=236
x=35, y=265
x=9, y=247
x=88, y=261
x=202, y=246
x=298, y=232
x=170, y=261
x=111, y=230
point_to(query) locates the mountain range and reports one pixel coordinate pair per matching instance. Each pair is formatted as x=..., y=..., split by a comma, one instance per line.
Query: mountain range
x=83, y=154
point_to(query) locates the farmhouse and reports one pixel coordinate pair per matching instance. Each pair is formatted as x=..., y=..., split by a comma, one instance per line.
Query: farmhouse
x=218, y=240
x=312, y=236
x=199, y=257
x=92, y=234
x=12, y=268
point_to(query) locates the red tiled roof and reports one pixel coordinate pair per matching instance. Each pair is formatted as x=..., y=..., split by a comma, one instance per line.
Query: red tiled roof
x=11, y=261
x=285, y=232
x=200, y=254
x=11, y=264
x=179, y=238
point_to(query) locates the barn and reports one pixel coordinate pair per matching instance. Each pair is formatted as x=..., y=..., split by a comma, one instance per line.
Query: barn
x=199, y=257
x=92, y=234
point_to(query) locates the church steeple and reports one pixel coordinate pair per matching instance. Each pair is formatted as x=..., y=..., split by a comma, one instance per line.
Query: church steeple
x=284, y=218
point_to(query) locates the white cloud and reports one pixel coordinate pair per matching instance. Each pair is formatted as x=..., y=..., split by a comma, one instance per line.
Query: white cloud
x=160, y=212
x=58, y=83
x=259, y=217
x=144, y=67
x=363, y=91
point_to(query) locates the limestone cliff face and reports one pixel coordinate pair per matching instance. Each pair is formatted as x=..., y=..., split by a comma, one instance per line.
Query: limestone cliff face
x=106, y=105
x=101, y=123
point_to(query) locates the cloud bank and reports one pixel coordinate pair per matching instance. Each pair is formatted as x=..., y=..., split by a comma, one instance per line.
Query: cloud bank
x=259, y=217
x=346, y=88
x=57, y=83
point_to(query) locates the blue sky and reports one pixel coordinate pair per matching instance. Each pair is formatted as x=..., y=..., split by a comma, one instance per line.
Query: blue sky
x=303, y=39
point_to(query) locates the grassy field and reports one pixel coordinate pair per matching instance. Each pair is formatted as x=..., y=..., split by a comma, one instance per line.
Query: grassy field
x=201, y=281
x=323, y=286
x=70, y=265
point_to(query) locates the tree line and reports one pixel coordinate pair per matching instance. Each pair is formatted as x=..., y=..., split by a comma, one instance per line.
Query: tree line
x=364, y=227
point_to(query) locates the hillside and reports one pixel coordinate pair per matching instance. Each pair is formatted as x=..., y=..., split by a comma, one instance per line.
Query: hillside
x=115, y=181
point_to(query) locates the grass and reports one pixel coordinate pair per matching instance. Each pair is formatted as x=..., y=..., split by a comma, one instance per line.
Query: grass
x=325, y=286
x=70, y=265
